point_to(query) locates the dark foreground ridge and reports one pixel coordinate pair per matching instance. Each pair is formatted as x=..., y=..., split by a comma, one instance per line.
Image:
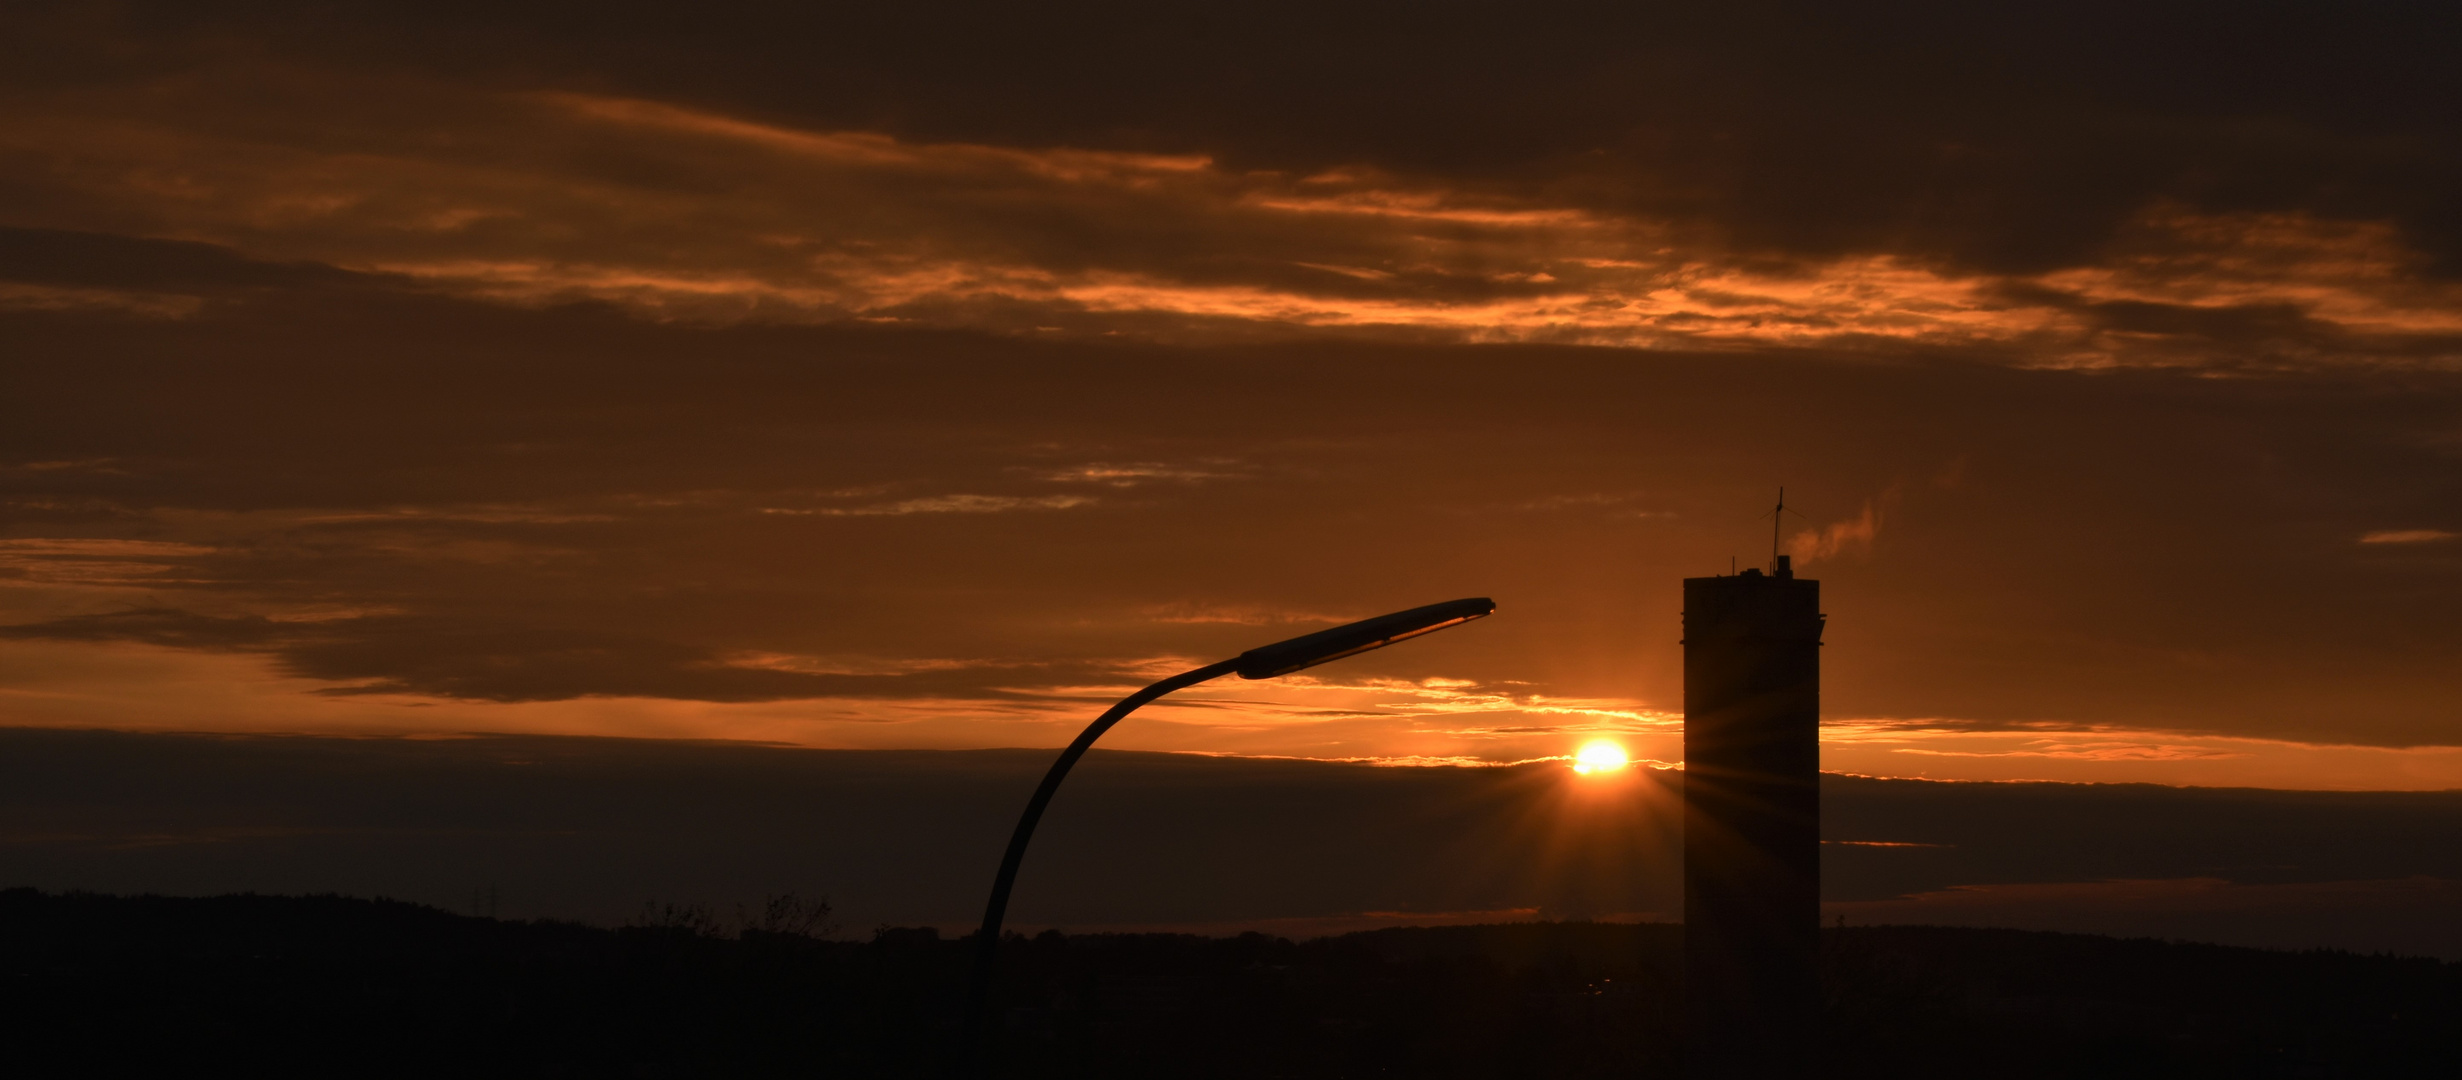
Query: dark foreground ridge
x=335, y=986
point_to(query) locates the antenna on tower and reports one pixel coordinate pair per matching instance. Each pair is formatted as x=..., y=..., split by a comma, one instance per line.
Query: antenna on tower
x=1778, y=516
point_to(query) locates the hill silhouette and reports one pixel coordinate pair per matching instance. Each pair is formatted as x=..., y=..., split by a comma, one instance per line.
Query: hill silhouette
x=329, y=985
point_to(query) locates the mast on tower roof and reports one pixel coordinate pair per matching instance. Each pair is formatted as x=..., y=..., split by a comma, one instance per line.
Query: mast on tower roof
x=1779, y=564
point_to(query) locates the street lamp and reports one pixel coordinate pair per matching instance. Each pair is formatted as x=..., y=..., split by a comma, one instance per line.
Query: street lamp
x=1264, y=662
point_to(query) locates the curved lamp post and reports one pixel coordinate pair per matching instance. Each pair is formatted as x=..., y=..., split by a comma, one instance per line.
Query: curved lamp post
x=1279, y=658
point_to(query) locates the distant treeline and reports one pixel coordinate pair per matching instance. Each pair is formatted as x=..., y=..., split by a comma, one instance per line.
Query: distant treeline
x=330, y=986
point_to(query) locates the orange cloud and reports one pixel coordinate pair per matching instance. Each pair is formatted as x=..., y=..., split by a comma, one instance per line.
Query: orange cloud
x=687, y=214
x=1956, y=750
x=945, y=504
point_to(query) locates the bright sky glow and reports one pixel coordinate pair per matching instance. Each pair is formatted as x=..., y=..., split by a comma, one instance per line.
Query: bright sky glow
x=1599, y=755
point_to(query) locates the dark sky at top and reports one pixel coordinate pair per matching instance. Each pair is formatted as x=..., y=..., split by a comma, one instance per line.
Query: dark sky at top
x=1989, y=138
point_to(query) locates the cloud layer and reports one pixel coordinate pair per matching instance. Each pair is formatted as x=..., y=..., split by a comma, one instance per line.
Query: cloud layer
x=2063, y=231
x=913, y=377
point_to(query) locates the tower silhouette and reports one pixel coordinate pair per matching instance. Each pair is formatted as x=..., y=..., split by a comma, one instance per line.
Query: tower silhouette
x=1752, y=806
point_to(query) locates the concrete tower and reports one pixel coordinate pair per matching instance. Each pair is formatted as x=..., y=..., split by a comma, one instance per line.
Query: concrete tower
x=1752, y=809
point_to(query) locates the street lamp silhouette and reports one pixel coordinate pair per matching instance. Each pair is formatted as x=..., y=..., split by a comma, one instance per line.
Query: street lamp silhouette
x=1264, y=662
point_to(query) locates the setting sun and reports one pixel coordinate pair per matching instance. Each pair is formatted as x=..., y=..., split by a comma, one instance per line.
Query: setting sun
x=1599, y=755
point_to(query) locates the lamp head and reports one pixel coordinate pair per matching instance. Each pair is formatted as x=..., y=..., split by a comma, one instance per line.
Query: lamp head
x=1309, y=650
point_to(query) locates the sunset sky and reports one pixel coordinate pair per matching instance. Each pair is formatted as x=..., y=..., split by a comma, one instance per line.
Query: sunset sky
x=913, y=376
